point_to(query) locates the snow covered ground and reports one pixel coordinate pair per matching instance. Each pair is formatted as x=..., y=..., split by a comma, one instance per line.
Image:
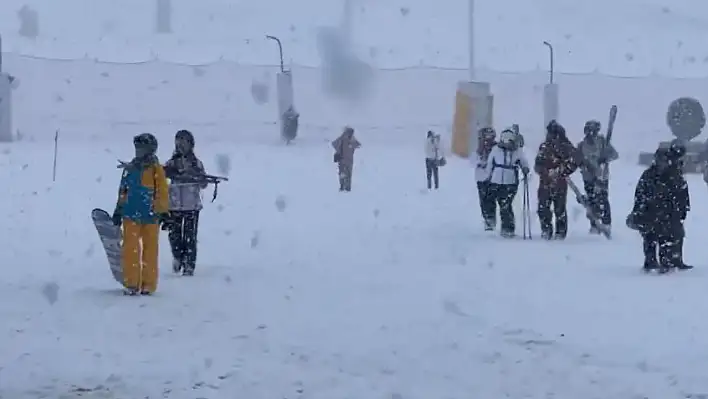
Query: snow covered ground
x=301, y=292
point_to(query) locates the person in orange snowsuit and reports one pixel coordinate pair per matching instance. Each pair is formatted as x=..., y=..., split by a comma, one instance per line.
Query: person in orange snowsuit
x=143, y=203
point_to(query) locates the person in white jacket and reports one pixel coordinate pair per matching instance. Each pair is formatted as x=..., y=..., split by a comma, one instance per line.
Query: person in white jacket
x=488, y=204
x=434, y=158
x=503, y=166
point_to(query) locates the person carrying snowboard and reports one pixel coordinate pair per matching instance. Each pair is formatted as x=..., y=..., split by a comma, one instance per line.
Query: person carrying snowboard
x=556, y=160
x=487, y=202
x=183, y=170
x=142, y=206
x=344, y=147
x=661, y=204
x=434, y=159
x=503, y=165
x=596, y=152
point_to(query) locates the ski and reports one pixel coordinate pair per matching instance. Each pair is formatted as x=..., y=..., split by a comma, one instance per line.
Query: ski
x=583, y=200
x=604, y=168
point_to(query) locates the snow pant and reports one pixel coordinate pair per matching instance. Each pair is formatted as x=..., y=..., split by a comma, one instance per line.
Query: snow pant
x=139, y=255
x=669, y=245
x=487, y=203
x=183, y=237
x=555, y=198
x=599, y=199
x=431, y=172
x=504, y=195
x=345, y=176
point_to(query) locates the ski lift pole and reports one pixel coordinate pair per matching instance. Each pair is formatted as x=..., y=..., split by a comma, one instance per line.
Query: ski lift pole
x=280, y=49
x=550, y=53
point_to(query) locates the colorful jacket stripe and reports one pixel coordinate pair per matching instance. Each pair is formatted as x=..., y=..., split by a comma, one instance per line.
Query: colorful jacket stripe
x=143, y=193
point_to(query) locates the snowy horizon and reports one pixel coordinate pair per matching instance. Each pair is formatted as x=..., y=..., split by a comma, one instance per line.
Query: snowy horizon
x=390, y=291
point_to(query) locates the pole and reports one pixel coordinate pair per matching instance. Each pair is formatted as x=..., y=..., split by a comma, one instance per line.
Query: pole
x=280, y=48
x=550, y=52
x=56, y=148
x=470, y=26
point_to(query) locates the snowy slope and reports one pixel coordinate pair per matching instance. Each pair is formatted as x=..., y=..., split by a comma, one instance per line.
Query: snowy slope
x=301, y=292
x=389, y=292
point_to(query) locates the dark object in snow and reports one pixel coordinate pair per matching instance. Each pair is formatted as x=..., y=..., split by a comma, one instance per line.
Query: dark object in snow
x=661, y=205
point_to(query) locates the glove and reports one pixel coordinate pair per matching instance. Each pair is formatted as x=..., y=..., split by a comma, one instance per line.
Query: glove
x=554, y=173
x=525, y=171
x=632, y=222
x=164, y=220
x=117, y=217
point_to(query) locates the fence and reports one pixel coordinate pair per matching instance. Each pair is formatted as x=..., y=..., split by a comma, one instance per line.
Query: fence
x=87, y=98
x=633, y=41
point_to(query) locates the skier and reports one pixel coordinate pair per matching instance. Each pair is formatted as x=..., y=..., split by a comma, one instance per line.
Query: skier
x=434, y=159
x=503, y=164
x=556, y=160
x=596, y=152
x=142, y=206
x=183, y=170
x=661, y=204
x=487, y=203
x=344, y=147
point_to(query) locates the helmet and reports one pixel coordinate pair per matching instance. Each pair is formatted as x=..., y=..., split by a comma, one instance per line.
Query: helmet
x=146, y=142
x=487, y=133
x=592, y=127
x=185, y=135
x=556, y=129
x=507, y=136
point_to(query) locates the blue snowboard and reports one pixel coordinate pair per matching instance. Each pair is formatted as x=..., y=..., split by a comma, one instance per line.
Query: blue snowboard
x=111, y=238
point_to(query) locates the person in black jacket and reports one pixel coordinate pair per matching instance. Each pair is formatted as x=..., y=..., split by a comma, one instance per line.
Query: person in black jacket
x=661, y=204
x=184, y=170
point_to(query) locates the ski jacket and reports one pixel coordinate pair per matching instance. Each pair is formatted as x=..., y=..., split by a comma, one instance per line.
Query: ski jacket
x=480, y=160
x=143, y=193
x=345, y=146
x=559, y=156
x=592, y=150
x=503, y=165
x=183, y=170
x=432, y=148
x=661, y=202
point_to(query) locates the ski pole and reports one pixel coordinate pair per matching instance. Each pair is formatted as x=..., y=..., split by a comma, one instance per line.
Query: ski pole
x=56, y=149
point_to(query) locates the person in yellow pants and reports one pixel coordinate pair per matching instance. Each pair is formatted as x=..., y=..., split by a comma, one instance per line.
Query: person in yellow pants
x=143, y=202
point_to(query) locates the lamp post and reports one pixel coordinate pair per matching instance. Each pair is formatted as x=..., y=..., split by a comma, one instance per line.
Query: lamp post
x=470, y=44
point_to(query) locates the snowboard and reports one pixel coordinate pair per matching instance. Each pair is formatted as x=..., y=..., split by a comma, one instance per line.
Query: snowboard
x=111, y=237
x=589, y=212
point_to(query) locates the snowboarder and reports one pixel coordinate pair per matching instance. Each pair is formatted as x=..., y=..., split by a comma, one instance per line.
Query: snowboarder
x=557, y=159
x=486, y=141
x=344, y=147
x=503, y=165
x=596, y=152
x=434, y=159
x=142, y=206
x=661, y=204
x=183, y=170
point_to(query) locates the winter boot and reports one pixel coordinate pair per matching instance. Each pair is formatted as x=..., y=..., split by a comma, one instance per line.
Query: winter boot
x=177, y=265
x=650, y=264
x=547, y=235
x=130, y=292
x=507, y=234
x=490, y=225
